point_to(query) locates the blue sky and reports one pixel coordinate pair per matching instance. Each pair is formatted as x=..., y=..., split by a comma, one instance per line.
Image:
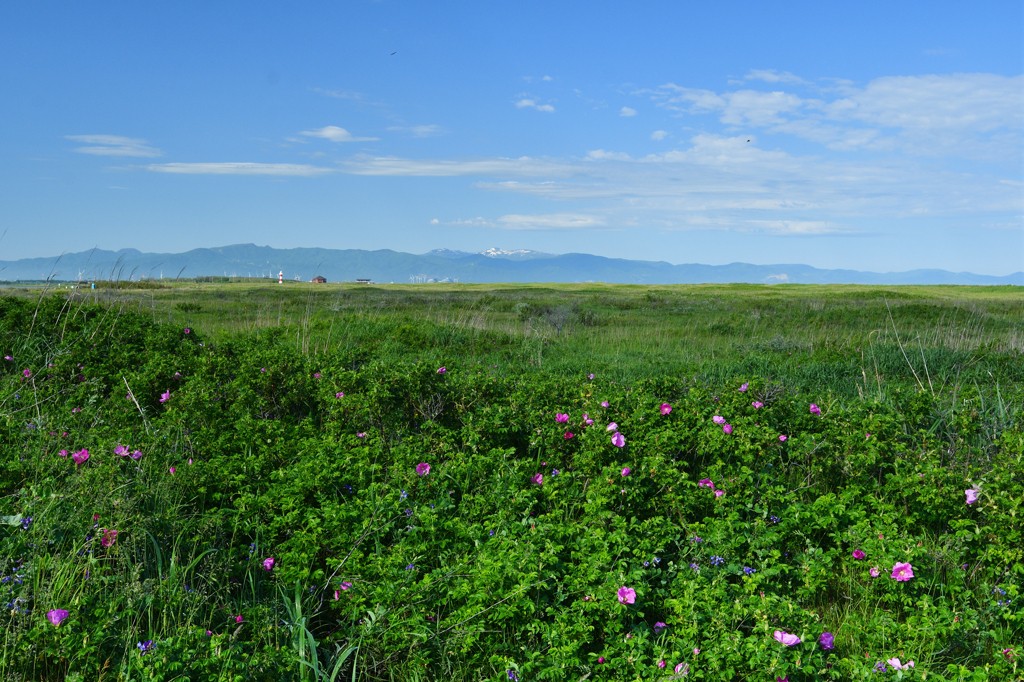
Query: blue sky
x=870, y=136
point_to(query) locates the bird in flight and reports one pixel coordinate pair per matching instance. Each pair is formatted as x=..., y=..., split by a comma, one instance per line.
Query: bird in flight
x=393, y=53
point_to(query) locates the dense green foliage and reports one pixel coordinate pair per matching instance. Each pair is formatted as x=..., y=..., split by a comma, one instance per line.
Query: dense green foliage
x=269, y=446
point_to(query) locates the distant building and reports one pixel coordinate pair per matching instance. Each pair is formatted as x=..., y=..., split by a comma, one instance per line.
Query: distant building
x=319, y=279
x=363, y=281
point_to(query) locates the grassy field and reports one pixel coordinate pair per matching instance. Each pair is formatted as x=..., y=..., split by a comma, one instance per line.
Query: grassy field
x=235, y=481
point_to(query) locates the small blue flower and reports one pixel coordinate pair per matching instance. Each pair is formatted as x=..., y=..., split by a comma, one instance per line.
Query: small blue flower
x=403, y=495
x=717, y=561
x=410, y=567
x=748, y=570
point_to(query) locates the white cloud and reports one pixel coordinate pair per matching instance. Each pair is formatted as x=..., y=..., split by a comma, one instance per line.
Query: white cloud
x=773, y=76
x=239, y=169
x=547, y=78
x=113, y=145
x=611, y=156
x=336, y=134
x=435, y=221
x=977, y=116
x=470, y=222
x=659, y=134
x=551, y=221
x=626, y=111
x=396, y=166
x=421, y=131
x=527, y=103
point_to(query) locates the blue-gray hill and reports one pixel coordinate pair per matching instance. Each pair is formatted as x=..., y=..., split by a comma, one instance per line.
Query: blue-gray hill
x=249, y=260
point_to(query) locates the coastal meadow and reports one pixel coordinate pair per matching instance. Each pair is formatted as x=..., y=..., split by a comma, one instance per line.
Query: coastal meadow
x=184, y=505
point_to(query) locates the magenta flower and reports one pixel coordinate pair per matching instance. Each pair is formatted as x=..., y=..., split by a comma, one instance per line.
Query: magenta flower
x=661, y=663
x=268, y=564
x=902, y=572
x=618, y=440
x=696, y=651
x=815, y=409
x=659, y=626
x=705, y=483
x=743, y=388
x=189, y=460
x=80, y=456
x=590, y=376
x=627, y=595
x=441, y=370
x=121, y=450
x=239, y=619
x=109, y=537
x=665, y=408
x=164, y=397
x=187, y=330
x=538, y=479
x=600, y=659
x=27, y=373
x=683, y=668
x=136, y=455
x=626, y=471
x=782, y=439
x=8, y=358
x=719, y=493
x=75, y=409
x=561, y=418
x=757, y=405
x=604, y=403
x=422, y=468
x=63, y=453
x=57, y=616
x=972, y=494
x=568, y=435
x=874, y=572
x=316, y=375
x=858, y=554
x=718, y=419
x=588, y=420
x=727, y=429
x=611, y=427
x=896, y=665
x=172, y=470
x=345, y=585
x=786, y=638
x=360, y=434
x=827, y=641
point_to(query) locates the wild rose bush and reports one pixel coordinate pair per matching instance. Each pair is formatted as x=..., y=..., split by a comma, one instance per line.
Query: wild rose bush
x=441, y=525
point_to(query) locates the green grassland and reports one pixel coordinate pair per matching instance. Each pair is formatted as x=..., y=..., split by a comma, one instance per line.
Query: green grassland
x=288, y=421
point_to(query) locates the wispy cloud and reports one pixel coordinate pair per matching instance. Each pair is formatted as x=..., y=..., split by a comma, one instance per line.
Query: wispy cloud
x=113, y=145
x=529, y=103
x=421, y=131
x=336, y=134
x=551, y=221
x=773, y=76
x=659, y=134
x=626, y=111
x=488, y=167
x=230, y=168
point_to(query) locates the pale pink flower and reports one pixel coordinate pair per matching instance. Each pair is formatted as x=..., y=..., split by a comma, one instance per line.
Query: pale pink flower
x=561, y=418
x=972, y=494
x=121, y=450
x=164, y=397
x=782, y=439
x=57, y=616
x=611, y=427
x=360, y=434
x=727, y=429
x=618, y=440
x=757, y=405
x=604, y=403
x=743, y=388
x=815, y=409
x=538, y=479
x=719, y=493
x=339, y=394
x=718, y=419
x=682, y=668
x=786, y=638
x=874, y=572
x=896, y=665
x=627, y=595
x=268, y=564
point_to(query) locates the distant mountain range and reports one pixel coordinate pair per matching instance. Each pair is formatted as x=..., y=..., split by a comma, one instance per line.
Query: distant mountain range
x=493, y=265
